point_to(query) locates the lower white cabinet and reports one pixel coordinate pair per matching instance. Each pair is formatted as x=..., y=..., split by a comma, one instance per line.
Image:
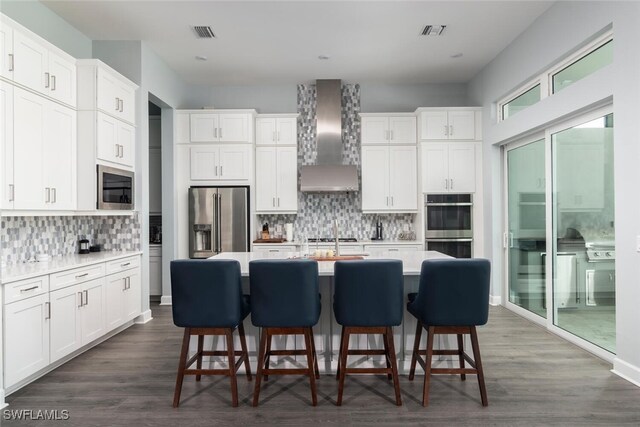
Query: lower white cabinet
x=155, y=270
x=26, y=338
x=123, y=297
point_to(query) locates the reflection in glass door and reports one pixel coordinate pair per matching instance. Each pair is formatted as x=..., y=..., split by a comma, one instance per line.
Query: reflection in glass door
x=526, y=217
x=583, y=231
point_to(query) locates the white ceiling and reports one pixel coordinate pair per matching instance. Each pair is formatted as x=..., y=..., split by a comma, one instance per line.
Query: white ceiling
x=278, y=42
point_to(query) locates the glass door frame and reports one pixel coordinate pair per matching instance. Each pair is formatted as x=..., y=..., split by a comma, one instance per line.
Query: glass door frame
x=547, y=322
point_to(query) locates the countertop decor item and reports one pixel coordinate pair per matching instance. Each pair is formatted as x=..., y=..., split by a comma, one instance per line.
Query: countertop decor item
x=95, y=248
x=84, y=246
x=265, y=231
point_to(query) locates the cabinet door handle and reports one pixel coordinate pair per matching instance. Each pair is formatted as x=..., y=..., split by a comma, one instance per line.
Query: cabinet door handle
x=122, y=106
x=80, y=295
x=451, y=130
x=391, y=135
x=446, y=184
x=215, y=173
x=29, y=289
x=53, y=195
x=117, y=151
x=117, y=103
x=278, y=201
x=86, y=297
x=53, y=82
x=12, y=194
x=387, y=200
x=446, y=130
x=121, y=151
x=451, y=186
x=124, y=283
x=47, y=197
x=278, y=134
x=126, y=264
x=273, y=137
x=273, y=202
x=215, y=132
x=82, y=275
x=11, y=66
x=220, y=170
x=46, y=80
x=391, y=200
x=47, y=310
x=220, y=132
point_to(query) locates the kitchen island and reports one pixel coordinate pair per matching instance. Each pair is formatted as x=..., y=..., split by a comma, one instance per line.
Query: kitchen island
x=327, y=331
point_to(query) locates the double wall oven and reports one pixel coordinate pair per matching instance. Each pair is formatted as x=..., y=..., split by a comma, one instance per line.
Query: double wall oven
x=449, y=224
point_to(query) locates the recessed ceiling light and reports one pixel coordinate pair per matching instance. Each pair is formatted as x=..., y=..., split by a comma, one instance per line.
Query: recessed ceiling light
x=201, y=58
x=457, y=55
x=323, y=57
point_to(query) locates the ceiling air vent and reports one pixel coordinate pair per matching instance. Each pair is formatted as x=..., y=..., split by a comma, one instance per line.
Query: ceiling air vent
x=433, y=30
x=204, y=31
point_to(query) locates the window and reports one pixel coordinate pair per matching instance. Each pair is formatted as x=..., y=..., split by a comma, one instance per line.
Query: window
x=587, y=64
x=521, y=102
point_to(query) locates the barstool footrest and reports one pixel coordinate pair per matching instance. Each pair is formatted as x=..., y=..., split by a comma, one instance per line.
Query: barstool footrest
x=386, y=371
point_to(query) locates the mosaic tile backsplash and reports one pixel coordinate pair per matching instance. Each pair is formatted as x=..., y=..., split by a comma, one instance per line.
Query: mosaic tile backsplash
x=23, y=237
x=316, y=211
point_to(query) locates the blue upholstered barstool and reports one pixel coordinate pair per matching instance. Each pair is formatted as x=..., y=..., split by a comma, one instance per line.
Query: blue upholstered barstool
x=368, y=300
x=453, y=298
x=285, y=301
x=207, y=300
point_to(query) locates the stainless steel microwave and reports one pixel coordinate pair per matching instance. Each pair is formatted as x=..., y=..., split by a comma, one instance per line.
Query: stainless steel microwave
x=115, y=188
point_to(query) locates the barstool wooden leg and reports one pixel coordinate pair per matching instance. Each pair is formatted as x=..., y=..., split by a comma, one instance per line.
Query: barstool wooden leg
x=181, y=367
x=476, y=358
x=308, y=336
x=461, y=355
x=387, y=355
x=344, y=350
x=200, y=347
x=267, y=355
x=232, y=368
x=391, y=354
x=315, y=356
x=427, y=367
x=340, y=354
x=245, y=353
x=261, y=352
x=416, y=349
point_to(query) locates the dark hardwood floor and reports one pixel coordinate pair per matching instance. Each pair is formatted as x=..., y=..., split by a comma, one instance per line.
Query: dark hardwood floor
x=533, y=378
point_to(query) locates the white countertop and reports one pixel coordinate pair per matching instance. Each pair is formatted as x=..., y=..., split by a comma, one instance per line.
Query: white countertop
x=359, y=242
x=27, y=270
x=411, y=261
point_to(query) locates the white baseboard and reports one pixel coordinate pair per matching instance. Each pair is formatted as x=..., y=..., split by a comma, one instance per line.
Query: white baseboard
x=3, y=404
x=627, y=371
x=495, y=300
x=143, y=318
x=165, y=300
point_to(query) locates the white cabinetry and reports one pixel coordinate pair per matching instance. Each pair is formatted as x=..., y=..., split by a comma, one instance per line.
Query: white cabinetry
x=77, y=317
x=382, y=129
x=221, y=162
x=389, y=179
x=456, y=124
x=220, y=127
x=6, y=50
x=276, y=130
x=448, y=168
x=155, y=270
x=39, y=66
x=7, y=187
x=123, y=297
x=26, y=338
x=44, y=153
x=275, y=248
x=115, y=96
x=115, y=140
x=276, y=179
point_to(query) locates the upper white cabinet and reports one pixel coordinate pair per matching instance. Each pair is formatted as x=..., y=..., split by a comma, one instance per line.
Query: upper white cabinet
x=220, y=127
x=7, y=58
x=44, y=154
x=221, y=162
x=101, y=87
x=448, y=124
x=276, y=179
x=7, y=189
x=389, y=179
x=384, y=129
x=39, y=66
x=448, y=168
x=276, y=129
x=115, y=140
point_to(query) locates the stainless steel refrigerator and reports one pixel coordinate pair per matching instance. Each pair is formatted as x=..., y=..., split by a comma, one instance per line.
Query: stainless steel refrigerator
x=218, y=220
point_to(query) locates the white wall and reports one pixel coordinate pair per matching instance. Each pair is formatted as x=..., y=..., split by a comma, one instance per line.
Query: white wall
x=42, y=21
x=558, y=32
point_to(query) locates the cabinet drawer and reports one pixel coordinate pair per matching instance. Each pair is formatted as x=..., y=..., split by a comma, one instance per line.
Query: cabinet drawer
x=383, y=248
x=77, y=275
x=276, y=249
x=22, y=289
x=123, y=264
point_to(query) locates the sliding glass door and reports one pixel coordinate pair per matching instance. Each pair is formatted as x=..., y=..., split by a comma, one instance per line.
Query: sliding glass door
x=559, y=230
x=526, y=219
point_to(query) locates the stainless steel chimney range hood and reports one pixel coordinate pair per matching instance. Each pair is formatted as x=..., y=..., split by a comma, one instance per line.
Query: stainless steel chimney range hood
x=329, y=174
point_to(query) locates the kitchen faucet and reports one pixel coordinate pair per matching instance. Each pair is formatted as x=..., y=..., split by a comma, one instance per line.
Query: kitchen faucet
x=336, y=237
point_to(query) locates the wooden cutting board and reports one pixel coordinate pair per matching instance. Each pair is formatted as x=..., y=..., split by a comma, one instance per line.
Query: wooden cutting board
x=274, y=240
x=336, y=258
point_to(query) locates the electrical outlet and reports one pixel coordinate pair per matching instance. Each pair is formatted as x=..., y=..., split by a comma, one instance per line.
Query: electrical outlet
x=405, y=227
